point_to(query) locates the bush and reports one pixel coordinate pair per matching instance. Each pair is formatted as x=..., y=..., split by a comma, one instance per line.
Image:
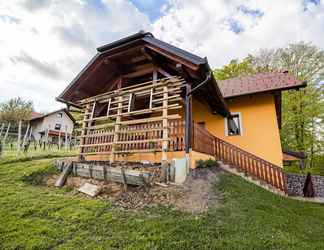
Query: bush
x=206, y=164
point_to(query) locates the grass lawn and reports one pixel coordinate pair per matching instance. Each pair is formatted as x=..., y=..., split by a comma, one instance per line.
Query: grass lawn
x=38, y=217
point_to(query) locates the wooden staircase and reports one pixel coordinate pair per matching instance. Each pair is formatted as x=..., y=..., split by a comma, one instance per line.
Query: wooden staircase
x=251, y=167
x=238, y=161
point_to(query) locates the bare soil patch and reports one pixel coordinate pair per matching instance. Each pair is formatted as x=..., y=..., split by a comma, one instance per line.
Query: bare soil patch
x=195, y=195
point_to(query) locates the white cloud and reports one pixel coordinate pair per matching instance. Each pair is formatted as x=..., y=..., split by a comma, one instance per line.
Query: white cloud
x=204, y=27
x=44, y=43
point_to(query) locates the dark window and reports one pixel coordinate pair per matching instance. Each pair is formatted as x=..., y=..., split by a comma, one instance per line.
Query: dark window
x=234, y=125
x=59, y=115
x=140, y=102
x=57, y=126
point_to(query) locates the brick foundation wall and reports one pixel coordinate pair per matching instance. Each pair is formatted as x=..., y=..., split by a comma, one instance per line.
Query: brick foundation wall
x=295, y=184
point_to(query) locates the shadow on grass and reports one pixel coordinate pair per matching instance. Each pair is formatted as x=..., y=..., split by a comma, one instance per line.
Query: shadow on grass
x=39, y=177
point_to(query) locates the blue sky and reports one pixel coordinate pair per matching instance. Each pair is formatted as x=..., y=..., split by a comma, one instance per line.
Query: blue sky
x=48, y=42
x=152, y=8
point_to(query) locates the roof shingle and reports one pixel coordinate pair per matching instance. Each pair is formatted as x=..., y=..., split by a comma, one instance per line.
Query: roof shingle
x=258, y=83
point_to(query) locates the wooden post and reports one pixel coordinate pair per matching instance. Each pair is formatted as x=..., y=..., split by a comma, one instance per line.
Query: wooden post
x=25, y=136
x=165, y=141
x=66, y=138
x=19, y=136
x=59, y=140
x=187, y=125
x=117, y=128
x=30, y=133
x=2, y=127
x=6, y=134
x=84, y=130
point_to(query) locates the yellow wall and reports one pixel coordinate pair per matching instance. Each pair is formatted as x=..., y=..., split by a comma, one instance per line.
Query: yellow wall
x=260, y=132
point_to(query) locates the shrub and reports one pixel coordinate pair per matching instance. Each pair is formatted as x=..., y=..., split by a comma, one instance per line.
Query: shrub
x=206, y=164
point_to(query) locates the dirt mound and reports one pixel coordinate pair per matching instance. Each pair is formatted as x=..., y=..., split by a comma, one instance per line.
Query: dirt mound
x=195, y=195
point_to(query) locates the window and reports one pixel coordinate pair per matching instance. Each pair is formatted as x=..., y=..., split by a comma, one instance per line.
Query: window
x=57, y=126
x=140, y=102
x=233, y=125
x=59, y=115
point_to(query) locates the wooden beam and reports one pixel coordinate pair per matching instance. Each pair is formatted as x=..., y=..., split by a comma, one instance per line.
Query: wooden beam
x=172, y=57
x=117, y=128
x=140, y=72
x=164, y=160
x=84, y=129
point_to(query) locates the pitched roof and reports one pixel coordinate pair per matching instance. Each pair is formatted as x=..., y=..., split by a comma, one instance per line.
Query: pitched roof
x=149, y=38
x=114, y=60
x=35, y=115
x=56, y=111
x=258, y=83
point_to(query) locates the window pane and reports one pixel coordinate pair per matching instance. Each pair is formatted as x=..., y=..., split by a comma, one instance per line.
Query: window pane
x=57, y=126
x=233, y=125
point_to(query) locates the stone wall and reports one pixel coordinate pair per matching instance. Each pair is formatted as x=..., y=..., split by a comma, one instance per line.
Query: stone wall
x=295, y=184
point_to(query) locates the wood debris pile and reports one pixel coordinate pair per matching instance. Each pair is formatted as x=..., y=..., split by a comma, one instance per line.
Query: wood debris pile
x=139, y=198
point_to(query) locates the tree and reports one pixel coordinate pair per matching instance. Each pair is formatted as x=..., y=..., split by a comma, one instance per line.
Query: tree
x=15, y=109
x=302, y=111
x=235, y=68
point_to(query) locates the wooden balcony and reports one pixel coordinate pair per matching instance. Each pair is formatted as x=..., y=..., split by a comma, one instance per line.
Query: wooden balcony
x=147, y=137
x=144, y=117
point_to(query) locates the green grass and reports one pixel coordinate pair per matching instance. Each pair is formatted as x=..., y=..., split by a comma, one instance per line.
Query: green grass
x=34, y=216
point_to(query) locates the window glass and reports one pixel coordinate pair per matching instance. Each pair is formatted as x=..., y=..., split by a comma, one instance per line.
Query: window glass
x=234, y=125
x=57, y=126
x=59, y=115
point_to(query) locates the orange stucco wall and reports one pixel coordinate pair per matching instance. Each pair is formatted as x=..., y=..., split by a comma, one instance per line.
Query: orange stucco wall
x=260, y=132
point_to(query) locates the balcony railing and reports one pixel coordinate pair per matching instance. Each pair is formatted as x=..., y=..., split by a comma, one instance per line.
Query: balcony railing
x=145, y=137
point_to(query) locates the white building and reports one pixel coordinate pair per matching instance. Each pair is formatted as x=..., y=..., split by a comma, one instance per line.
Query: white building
x=51, y=126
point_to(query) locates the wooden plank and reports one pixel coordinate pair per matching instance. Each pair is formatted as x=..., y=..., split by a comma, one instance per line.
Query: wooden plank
x=108, y=107
x=63, y=176
x=117, y=127
x=137, y=112
x=100, y=172
x=164, y=159
x=84, y=130
x=89, y=189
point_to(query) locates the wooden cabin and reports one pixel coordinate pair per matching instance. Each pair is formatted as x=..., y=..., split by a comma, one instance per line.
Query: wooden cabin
x=144, y=99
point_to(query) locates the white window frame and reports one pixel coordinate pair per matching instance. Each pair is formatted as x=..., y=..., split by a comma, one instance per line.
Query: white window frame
x=240, y=120
x=59, y=128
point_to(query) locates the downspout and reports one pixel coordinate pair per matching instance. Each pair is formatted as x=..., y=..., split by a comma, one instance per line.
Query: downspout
x=188, y=115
